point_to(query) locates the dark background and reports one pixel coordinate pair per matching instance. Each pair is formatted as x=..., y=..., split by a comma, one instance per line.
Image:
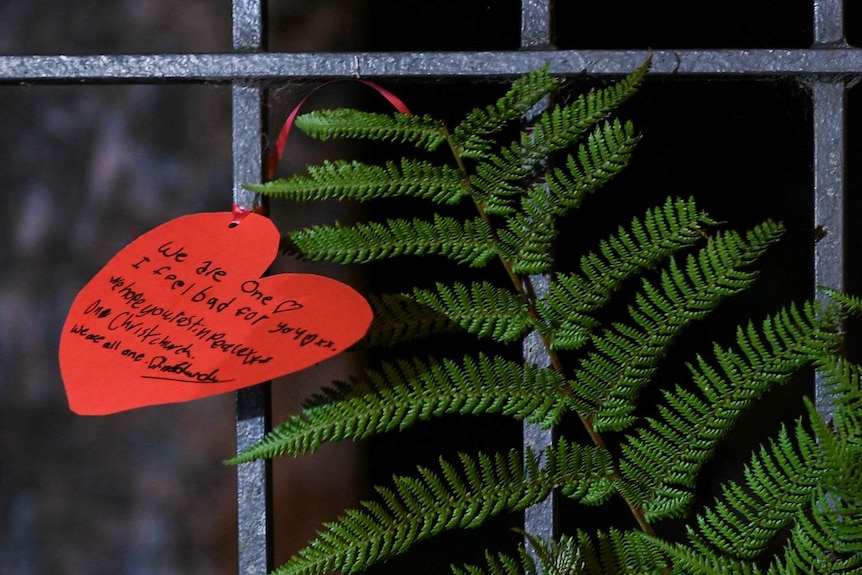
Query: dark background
x=84, y=169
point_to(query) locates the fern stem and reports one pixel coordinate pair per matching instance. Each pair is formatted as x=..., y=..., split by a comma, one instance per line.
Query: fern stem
x=556, y=363
x=524, y=286
x=507, y=265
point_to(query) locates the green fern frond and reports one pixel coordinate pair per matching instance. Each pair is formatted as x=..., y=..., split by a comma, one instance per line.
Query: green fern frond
x=466, y=242
x=604, y=553
x=526, y=242
x=827, y=540
x=780, y=482
x=582, y=473
x=501, y=564
x=851, y=303
x=557, y=557
x=618, y=552
x=842, y=440
x=474, y=135
x=500, y=175
x=399, y=318
x=842, y=380
x=480, y=308
x=627, y=355
x=842, y=449
x=606, y=152
x=798, y=506
x=561, y=126
x=463, y=496
x=364, y=182
x=573, y=297
x=792, y=486
x=530, y=232
x=405, y=392
x=662, y=459
x=497, y=182
x=691, y=562
x=421, y=131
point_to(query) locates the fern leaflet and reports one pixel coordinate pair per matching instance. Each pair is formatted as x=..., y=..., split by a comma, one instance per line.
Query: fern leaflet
x=827, y=540
x=467, y=242
x=627, y=356
x=691, y=562
x=499, y=176
x=419, y=507
x=661, y=461
x=573, y=297
x=422, y=131
x=480, y=308
x=556, y=557
x=399, y=318
x=619, y=552
x=363, y=182
x=779, y=483
x=598, y=160
x=473, y=137
x=527, y=240
x=400, y=394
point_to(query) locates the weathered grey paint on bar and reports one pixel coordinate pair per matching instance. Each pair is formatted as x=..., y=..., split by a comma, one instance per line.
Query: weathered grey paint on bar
x=253, y=413
x=280, y=67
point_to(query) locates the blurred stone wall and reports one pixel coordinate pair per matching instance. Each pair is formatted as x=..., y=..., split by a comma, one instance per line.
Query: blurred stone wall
x=83, y=170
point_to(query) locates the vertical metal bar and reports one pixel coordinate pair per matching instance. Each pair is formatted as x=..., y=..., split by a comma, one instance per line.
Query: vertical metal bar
x=829, y=110
x=537, y=24
x=539, y=519
x=254, y=489
x=829, y=22
x=829, y=156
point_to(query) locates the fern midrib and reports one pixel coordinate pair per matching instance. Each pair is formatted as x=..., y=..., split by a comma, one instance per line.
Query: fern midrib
x=468, y=184
x=523, y=285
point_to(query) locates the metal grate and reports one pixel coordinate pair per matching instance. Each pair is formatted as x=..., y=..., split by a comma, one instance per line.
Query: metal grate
x=827, y=68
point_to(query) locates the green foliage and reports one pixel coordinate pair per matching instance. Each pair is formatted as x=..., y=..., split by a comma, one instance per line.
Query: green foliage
x=627, y=355
x=461, y=496
x=662, y=458
x=363, y=182
x=480, y=308
x=574, y=298
x=468, y=242
x=606, y=327
x=422, y=131
x=610, y=553
x=398, y=395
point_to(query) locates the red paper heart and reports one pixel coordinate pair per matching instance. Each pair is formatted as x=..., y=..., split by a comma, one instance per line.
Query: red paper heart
x=182, y=313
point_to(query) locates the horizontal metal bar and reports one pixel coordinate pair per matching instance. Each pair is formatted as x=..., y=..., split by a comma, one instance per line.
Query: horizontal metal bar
x=221, y=68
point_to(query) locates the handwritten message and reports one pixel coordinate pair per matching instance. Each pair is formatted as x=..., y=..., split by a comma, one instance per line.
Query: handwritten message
x=183, y=312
